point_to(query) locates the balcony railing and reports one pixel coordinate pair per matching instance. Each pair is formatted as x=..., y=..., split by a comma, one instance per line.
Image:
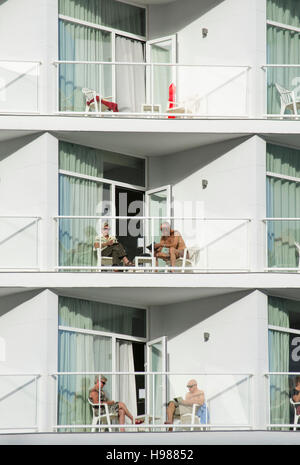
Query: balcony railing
x=282, y=411
x=19, y=402
x=19, y=243
x=283, y=91
x=228, y=401
x=212, y=244
x=143, y=89
x=282, y=244
x=19, y=86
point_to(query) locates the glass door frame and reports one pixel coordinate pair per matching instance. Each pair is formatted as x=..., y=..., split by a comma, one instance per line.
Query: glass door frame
x=150, y=71
x=151, y=379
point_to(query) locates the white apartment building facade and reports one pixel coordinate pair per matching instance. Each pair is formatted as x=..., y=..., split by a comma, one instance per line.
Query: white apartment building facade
x=136, y=114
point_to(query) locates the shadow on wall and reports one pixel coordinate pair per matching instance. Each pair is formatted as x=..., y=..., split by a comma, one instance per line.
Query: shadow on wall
x=10, y=302
x=10, y=146
x=175, y=168
x=170, y=18
x=178, y=318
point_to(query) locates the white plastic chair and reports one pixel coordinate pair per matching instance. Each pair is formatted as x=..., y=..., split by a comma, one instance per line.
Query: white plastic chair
x=288, y=100
x=93, y=100
x=103, y=261
x=193, y=253
x=187, y=418
x=104, y=416
x=296, y=417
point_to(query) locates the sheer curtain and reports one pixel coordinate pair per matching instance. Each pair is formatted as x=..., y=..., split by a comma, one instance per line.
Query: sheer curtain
x=279, y=361
x=79, y=353
x=283, y=47
x=82, y=43
x=110, y=13
x=131, y=79
x=80, y=197
x=126, y=383
x=283, y=201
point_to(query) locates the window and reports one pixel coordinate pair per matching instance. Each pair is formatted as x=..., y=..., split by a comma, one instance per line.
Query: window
x=96, y=337
x=284, y=356
x=283, y=201
x=283, y=47
x=92, y=34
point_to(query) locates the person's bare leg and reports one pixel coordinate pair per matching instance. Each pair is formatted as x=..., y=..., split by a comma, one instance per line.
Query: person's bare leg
x=170, y=412
x=173, y=257
x=123, y=408
x=121, y=419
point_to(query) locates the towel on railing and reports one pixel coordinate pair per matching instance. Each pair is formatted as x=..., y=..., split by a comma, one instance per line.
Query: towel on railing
x=203, y=414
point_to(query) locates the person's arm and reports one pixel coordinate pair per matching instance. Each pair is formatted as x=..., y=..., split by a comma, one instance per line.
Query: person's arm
x=93, y=396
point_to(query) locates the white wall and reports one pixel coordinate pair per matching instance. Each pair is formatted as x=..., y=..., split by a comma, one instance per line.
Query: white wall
x=28, y=31
x=236, y=36
x=236, y=175
x=238, y=343
x=28, y=186
x=29, y=328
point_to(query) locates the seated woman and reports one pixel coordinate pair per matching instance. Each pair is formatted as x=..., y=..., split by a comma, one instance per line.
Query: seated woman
x=110, y=247
x=171, y=245
x=114, y=407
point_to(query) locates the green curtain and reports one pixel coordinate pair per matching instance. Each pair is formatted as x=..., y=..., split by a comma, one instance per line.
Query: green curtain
x=283, y=47
x=283, y=201
x=79, y=353
x=105, y=317
x=82, y=43
x=110, y=13
x=80, y=197
x=162, y=75
x=284, y=11
x=279, y=361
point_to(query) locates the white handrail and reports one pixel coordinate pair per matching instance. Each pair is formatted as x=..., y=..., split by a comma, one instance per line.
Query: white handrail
x=136, y=218
x=143, y=63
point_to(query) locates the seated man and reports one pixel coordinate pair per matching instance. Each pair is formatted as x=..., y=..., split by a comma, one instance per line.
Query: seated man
x=110, y=247
x=194, y=396
x=114, y=407
x=296, y=394
x=171, y=245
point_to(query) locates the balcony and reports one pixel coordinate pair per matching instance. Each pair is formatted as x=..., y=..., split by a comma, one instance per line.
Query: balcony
x=152, y=90
x=211, y=244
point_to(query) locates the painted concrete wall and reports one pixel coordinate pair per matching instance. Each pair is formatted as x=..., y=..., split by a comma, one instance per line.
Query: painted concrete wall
x=236, y=175
x=28, y=327
x=236, y=36
x=238, y=343
x=28, y=187
x=28, y=31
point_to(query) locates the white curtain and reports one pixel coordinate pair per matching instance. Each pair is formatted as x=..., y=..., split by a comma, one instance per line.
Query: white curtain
x=131, y=79
x=126, y=387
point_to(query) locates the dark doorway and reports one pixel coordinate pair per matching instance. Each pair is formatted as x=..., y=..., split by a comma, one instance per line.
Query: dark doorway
x=139, y=365
x=129, y=202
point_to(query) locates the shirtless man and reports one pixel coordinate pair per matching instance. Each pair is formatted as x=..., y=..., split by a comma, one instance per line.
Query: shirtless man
x=194, y=396
x=171, y=245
